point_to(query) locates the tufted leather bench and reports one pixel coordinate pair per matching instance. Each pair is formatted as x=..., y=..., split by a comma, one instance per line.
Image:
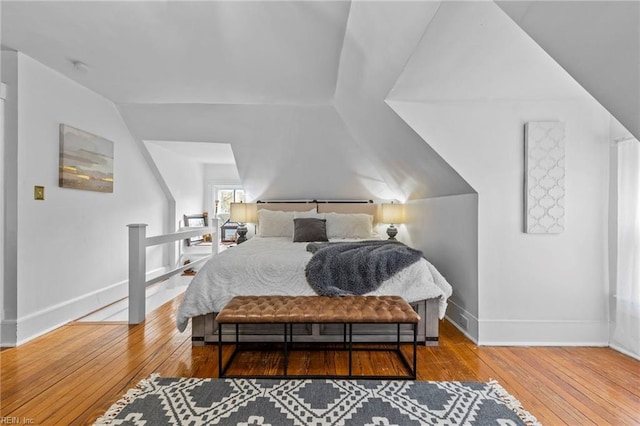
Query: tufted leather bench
x=347, y=310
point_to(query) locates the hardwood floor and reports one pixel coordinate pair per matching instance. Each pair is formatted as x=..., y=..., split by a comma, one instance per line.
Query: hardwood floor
x=72, y=375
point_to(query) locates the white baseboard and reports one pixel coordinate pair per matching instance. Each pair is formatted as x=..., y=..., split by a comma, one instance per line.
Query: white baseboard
x=38, y=323
x=463, y=320
x=625, y=351
x=543, y=333
x=507, y=332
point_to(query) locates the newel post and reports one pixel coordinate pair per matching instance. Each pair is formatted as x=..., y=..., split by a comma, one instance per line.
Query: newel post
x=137, y=271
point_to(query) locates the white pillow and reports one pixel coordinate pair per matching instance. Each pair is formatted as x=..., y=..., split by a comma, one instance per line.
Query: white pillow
x=313, y=214
x=275, y=223
x=355, y=225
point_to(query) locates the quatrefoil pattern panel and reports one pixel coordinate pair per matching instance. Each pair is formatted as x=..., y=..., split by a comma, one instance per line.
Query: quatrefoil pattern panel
x=545, y=170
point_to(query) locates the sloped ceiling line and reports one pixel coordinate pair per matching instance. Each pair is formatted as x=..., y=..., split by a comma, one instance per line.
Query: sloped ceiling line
x=381, y=36
x=596, y=42
x=493, y=61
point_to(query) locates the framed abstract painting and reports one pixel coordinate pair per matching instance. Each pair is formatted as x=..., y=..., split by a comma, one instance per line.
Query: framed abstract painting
x=86, y=160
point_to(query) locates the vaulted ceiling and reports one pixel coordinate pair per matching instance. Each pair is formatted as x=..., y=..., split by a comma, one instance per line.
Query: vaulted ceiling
x=596, y=42
x=300, y=88
x=186, y=52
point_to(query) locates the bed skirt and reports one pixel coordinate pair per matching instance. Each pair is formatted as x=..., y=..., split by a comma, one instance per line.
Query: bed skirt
x=204, y=330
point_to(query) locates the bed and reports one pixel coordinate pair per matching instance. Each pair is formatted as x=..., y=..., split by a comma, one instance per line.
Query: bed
x=271, y=263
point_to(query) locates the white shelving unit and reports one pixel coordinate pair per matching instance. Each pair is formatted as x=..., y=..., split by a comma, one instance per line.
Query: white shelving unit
x=199, y=250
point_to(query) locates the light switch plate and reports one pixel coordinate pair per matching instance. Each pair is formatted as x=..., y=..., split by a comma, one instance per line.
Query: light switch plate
x=38, y=192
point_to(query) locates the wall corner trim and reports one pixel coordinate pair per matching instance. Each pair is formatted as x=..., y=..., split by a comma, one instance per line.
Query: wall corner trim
x=8, y=333
x=458, y=316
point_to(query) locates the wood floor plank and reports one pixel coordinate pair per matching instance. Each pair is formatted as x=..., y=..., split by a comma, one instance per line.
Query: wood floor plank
x=148, y=362
x=93, y=408
x=518, y=379
x=580, y=407
x=622, y=371
x=59, y=367
x=72, y=375
x=598, y=393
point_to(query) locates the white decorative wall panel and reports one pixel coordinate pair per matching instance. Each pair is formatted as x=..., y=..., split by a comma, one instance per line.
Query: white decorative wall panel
x=545, y=169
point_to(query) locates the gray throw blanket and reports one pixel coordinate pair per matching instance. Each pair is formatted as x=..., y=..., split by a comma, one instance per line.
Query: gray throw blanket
x=339, y=269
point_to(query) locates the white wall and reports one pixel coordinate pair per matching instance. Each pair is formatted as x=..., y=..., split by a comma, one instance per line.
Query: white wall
x=2, y=215
x=222, y=173
x=8, y=331
x=470, y=104
x=72, y=247
x=538, y=289
x=3, y=91
x=446, y=230
x=183, y=176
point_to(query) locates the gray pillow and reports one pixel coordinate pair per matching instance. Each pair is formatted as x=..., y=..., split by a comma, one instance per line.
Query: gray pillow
x=309, y=230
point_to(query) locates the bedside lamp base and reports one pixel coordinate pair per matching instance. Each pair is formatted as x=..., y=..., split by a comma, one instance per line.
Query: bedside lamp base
x=242, y=233
x=392, y=231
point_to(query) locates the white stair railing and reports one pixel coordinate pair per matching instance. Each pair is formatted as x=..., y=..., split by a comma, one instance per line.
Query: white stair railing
x=138, y=242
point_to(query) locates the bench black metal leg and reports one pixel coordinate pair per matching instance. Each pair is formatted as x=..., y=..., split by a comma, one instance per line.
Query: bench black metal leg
x=291, y=336
x=350, y=349
x=285, y=349
x=223, y=367
x=415, y=350
x=347, y=345
x=219, y=350
x=344, y=333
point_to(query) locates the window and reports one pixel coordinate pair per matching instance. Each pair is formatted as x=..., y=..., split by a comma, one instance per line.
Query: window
x=225, y=197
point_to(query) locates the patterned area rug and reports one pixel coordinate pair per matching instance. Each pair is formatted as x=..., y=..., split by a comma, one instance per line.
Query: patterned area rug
x=172, y=401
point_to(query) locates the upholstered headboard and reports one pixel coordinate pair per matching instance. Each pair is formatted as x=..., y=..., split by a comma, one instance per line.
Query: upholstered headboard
x=368, y=208
x=284, y=206
x=324, y=207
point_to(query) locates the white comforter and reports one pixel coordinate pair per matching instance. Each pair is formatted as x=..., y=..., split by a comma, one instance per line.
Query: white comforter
x=275, y=266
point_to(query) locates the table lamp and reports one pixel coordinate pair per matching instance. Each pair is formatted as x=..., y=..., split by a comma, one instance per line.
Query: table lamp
x=243, y=213
x=392, y=214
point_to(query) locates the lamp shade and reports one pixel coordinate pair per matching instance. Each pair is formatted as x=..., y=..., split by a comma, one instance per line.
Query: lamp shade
x=392, y=213
x=243, y=213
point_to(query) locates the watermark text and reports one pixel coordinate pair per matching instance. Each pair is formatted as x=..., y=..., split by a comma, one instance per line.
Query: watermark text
x=17, y=421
